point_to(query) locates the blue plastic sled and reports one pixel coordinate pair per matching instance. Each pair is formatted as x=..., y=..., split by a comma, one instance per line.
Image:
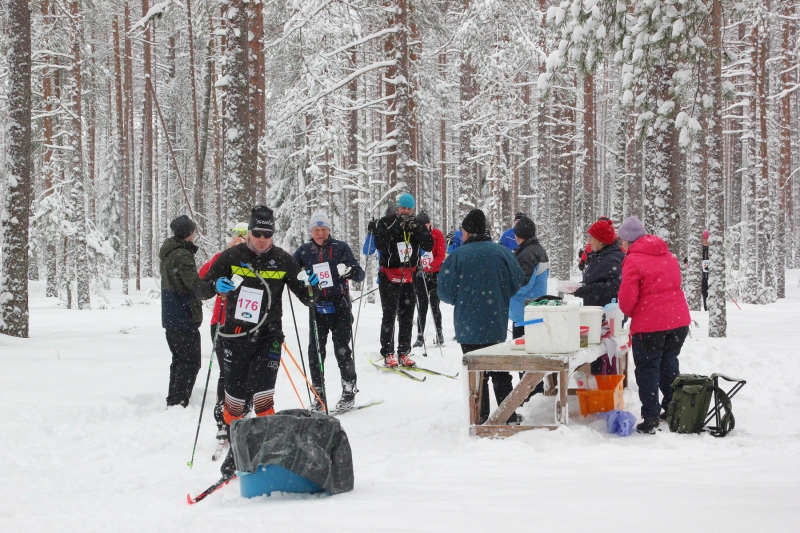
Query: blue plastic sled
x=271, y=478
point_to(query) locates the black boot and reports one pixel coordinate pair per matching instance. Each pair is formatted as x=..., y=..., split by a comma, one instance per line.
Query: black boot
x=439, y=338
x=317, y=407
x=649, y=426
x=228, y=467
x=420, y=341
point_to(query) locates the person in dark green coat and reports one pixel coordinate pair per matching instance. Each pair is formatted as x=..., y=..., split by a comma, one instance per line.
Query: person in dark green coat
x=181, y=311
x=479, y=278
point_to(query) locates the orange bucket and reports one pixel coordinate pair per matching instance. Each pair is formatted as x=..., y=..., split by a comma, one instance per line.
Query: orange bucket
x=607, y=397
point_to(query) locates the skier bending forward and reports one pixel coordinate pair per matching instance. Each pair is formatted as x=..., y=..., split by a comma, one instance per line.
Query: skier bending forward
x=251, y=337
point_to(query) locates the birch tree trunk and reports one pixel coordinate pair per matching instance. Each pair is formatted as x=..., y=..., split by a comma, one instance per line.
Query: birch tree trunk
x=14, y=217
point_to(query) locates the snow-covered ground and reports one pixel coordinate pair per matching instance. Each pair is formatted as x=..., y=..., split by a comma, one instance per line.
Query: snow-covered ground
x=89, y=446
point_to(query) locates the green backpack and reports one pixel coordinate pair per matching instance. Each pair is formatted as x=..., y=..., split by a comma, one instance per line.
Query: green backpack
x=688, y=411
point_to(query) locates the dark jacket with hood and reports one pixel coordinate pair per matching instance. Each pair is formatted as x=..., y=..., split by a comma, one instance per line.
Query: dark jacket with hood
x=602, y=276
x=332, y=252
x=275, y=266
x=180, y=308
x=390, y=231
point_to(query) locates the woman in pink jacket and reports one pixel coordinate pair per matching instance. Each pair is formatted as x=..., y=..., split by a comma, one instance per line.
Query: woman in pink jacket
x=651, y=295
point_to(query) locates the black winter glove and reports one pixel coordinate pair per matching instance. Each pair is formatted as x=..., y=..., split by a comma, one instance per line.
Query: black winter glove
x=372, y=226
x=409, y=222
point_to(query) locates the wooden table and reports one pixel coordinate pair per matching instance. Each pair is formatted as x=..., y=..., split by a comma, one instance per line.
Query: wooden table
x=502, y=357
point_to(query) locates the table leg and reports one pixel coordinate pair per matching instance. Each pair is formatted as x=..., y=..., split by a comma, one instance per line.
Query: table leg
x=475, y=378
x=515, y=398
x=562, y=407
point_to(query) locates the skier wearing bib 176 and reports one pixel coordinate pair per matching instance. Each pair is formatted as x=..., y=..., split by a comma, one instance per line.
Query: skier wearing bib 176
x=251, y=336
x=399, y=238
x=329, y=263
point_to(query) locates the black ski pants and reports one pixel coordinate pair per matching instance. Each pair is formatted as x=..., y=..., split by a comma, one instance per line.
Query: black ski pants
x=185, y=347
x=656, y=358
x=501, y=382
x=250, y=365
x=426, y=290
x=704, y=291
x=398, y=302
x=339, y=325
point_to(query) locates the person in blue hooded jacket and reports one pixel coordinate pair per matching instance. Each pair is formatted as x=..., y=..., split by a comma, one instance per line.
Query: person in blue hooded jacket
x=479, y=278
x=535, y=266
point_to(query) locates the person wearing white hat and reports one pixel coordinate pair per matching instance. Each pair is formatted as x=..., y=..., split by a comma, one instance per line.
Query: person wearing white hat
x=329, y=264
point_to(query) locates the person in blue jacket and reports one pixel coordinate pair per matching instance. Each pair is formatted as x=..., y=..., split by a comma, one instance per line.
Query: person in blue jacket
x=535, y=266
x=479, y=279
x=321, y=258
x=456, y=241
x=508, y=239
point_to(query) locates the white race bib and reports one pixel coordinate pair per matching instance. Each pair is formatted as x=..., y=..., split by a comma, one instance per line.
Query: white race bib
x=405, y=251
x=705, y=265
x=248, y=306
x=323, y=272
x=427, y=259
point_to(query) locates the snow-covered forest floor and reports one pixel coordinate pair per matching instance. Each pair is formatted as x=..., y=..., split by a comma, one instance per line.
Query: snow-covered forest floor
x=89, y=446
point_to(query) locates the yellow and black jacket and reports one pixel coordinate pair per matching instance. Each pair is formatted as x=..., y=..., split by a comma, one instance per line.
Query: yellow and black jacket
x=277, y=267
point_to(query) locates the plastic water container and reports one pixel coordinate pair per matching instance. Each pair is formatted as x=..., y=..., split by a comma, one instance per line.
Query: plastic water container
x=614, y=316
x=559, y=332
x=592, y=316
x=273, y=478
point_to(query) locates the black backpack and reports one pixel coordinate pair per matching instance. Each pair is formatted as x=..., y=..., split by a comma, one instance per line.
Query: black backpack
x=688, y=412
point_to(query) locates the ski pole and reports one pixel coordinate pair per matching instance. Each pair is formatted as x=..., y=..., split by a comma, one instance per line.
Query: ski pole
x=313, y=308
x=366, y=273
x=734, y=301
x=427, y=292
x=365, y=294
x=203, y=403
x=299, y=346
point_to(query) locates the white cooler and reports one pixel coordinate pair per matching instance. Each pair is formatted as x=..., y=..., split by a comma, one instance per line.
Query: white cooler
x=559, y=333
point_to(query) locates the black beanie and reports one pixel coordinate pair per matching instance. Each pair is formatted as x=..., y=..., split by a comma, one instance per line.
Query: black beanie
x=182, y=226
x=423, y=218
x=519, y=216
x=525, y=228
x=474, y=222
x=262, y=219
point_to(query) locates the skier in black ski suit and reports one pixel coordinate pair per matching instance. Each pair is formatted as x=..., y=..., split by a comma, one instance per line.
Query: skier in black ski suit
x=396, y=234
x=252, y=335
x=332, y=307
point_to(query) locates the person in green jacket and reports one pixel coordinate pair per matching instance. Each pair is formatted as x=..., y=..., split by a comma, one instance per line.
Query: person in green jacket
x=181, y=311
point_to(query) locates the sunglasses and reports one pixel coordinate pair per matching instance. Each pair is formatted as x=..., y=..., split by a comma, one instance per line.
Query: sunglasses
x=259, y=234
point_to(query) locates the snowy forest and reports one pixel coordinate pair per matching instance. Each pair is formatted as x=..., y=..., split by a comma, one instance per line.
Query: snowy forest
x=119, y=116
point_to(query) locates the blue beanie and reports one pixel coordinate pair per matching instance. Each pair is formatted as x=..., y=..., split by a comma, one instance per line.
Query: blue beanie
x=406, y=200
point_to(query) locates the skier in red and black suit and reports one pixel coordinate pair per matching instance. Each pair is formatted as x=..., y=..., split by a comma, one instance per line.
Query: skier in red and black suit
x=321, y=258
x=399, y=238
x=426, y=280
x=252, y=335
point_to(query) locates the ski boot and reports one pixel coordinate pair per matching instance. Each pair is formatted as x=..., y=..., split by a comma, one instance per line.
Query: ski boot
x=348, y=399
x=222, y=432
x=317, y=407
x=439, y=339
x=405, y=360
x=228, y=467
x=420, y=341
x=390, y=361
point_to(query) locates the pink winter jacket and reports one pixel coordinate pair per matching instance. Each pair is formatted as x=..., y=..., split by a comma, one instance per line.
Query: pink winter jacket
x=651, y=293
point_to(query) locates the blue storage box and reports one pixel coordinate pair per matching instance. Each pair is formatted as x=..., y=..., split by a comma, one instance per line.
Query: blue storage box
x=270, y=478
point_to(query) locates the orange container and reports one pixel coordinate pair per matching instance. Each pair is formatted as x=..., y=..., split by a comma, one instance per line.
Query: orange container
x=607, y=397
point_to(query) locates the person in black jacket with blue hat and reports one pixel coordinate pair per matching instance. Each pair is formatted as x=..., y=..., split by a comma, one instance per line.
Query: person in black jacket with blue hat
x=329, y=263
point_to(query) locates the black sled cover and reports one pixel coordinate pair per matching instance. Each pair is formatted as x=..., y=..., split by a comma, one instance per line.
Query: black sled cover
x=311, y=445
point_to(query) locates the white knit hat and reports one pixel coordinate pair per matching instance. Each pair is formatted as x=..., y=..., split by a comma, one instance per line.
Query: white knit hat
x=319, y=219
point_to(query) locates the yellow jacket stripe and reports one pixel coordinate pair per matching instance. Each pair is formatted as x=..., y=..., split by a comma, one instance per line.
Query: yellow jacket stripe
x=266, y=274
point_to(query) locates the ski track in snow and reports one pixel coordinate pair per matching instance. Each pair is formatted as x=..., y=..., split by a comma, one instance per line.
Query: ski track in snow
x=90, y=446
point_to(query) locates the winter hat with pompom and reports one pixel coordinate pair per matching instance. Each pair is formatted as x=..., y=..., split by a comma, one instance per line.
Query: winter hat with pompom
x=603, y=230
